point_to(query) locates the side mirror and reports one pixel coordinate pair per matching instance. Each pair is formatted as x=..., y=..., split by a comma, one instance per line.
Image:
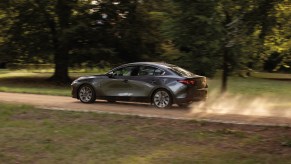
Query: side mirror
x=110, y=74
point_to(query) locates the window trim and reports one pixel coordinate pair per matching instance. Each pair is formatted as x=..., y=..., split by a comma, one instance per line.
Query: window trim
x=155, y=68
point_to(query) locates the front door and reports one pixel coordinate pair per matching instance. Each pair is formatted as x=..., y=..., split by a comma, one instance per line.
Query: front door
x=118, y=85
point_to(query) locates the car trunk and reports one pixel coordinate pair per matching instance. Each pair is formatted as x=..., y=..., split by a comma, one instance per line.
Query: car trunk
x=198, y=82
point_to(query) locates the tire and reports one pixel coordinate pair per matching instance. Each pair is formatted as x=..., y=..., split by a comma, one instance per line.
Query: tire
x=86, y=94
x=162, y=99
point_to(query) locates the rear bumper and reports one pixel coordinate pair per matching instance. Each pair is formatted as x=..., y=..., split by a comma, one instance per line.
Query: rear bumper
x=194, y=95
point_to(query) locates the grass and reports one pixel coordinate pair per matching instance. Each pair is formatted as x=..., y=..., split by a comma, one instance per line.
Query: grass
x=29, y=135
x=35, y=82
x=276, y=76
x=254, y=86
x=32, y=83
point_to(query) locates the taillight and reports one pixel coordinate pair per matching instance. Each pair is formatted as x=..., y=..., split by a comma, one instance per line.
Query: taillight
x=187, y=81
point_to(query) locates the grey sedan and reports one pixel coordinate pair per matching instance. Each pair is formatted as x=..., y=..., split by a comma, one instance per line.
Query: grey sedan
x=160, y=84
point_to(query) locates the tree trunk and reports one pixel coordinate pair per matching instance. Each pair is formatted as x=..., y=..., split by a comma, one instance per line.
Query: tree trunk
x=61, y=74
x=226, y=48
x=61, y=59
x=225, y=71
x=61, y=46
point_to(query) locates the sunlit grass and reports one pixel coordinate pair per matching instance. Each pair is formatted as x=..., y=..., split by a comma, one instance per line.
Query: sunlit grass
x=30, y=135
x=253, y=86
x=35, y=82
x=50, y=71
x=24, y=81
x=279, y=76
x=60, y=91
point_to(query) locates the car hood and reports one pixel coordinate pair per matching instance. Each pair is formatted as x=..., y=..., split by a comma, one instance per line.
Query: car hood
x=90, y=77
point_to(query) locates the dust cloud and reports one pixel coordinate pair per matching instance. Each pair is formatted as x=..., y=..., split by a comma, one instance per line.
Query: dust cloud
x=244, y=105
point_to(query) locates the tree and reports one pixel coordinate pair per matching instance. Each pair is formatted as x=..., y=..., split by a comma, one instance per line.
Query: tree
x=277, y=41
x=203, y=36
x=40, y=28
x=207, y=33
x=217, y=34
x=78, y=31
x=191, y=28
x=132, y=31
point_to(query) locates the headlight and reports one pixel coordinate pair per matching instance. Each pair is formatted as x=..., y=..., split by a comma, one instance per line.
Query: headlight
x=75, y=81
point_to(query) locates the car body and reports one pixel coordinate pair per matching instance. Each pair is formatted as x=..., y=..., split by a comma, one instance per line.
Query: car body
x=161, y=84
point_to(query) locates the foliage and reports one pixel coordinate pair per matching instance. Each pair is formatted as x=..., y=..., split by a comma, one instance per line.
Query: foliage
x=278, y=42
x=202, y=36
x=60, y=31
x=191, y=29
x=227, y=34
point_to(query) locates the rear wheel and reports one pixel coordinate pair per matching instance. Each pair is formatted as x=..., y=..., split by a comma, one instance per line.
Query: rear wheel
x=86, y=94
x=162, y=99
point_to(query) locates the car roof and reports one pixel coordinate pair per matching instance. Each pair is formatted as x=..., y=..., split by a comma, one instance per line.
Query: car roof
x=161, y=64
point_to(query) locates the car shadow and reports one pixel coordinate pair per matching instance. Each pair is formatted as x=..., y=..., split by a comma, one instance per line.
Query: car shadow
x=138, y=105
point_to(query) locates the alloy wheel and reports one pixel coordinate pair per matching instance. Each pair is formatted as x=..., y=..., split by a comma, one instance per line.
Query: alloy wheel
x=86, y=94
x=162, y=99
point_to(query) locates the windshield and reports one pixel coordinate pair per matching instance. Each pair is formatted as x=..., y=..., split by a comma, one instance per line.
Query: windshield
x=181, y=72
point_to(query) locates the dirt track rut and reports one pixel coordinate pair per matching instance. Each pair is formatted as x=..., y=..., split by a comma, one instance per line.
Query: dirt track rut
x=138, y=109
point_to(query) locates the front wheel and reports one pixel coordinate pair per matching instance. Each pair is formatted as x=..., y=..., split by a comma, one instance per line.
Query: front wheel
x=86, y=94
x=162, y=99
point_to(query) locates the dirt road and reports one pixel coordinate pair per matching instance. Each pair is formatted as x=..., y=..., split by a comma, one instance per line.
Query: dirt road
x=144, y=110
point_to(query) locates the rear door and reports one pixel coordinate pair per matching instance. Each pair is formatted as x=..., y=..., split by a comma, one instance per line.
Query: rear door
x=145, y=81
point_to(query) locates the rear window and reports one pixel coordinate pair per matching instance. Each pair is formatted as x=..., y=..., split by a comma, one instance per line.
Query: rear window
x=181, y=72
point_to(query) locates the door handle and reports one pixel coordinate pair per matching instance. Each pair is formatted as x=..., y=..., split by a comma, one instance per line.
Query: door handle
x=153, y=81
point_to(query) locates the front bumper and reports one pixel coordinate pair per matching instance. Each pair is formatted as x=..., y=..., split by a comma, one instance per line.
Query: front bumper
x=74, y=87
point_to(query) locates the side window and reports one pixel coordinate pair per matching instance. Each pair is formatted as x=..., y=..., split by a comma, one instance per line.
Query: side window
x=159, y=72
x=125, y=71
x=149, y=71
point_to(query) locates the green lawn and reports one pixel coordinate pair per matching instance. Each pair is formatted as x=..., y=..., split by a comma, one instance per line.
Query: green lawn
x=254, y=86
x=29, y=135
x=279, y=76
x=29, y=82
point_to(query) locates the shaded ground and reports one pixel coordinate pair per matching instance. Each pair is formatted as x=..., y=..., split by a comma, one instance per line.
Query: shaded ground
x=145, y=110
x=29, y=135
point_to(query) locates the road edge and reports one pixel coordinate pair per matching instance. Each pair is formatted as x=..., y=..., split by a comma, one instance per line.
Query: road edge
x=170, y=117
